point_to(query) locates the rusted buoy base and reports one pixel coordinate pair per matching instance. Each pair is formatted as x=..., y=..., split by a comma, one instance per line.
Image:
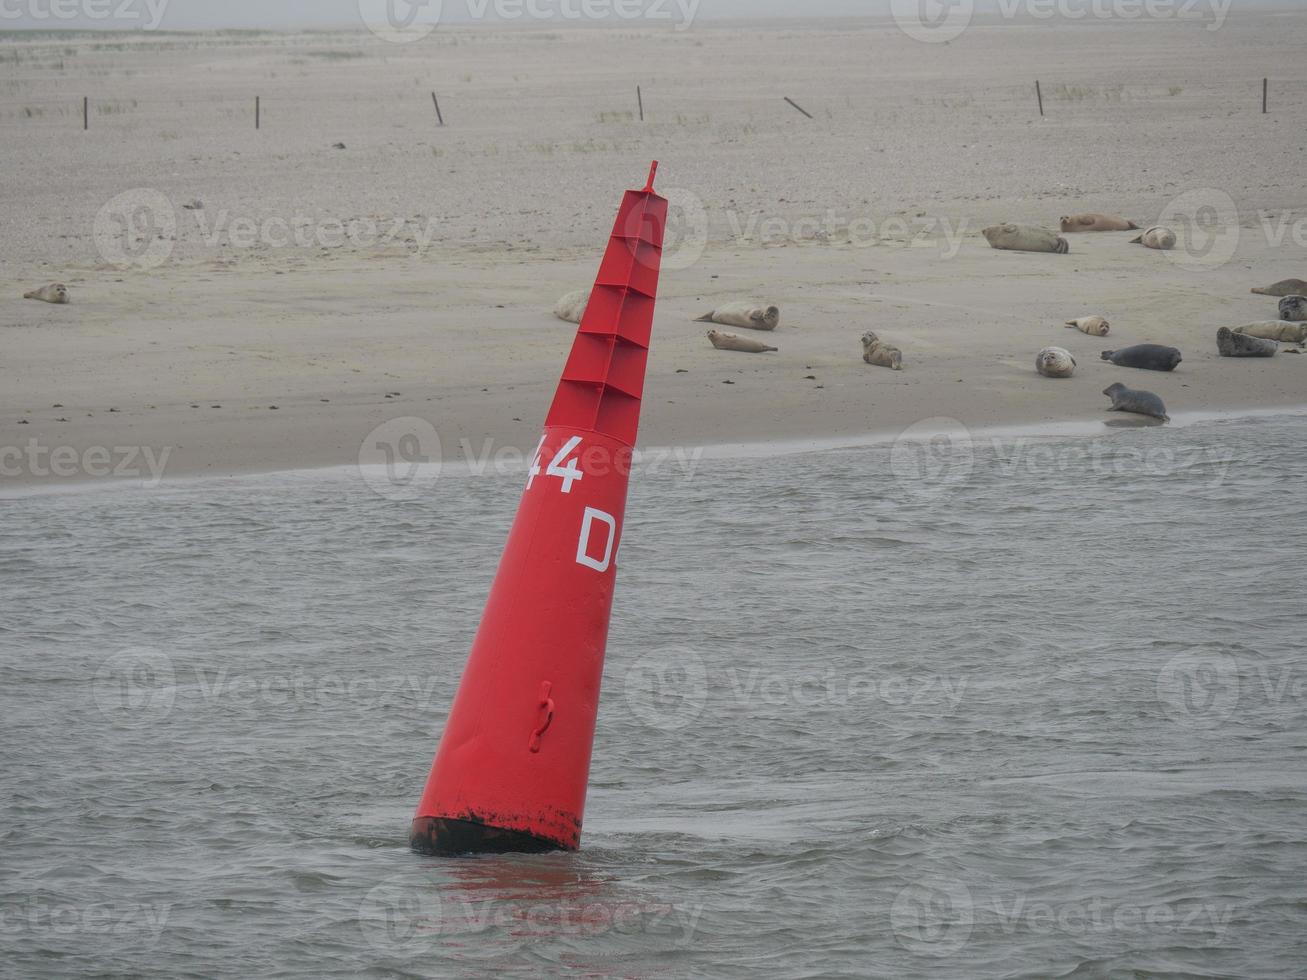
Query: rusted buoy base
x=446, y=837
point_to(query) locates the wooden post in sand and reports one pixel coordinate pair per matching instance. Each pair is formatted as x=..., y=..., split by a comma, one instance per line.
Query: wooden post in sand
x=799, y=107
x=1266, y=95
x=639, y=98
x=258, y=112
x=86, y=113
x=1039, y=94
x=436, y=102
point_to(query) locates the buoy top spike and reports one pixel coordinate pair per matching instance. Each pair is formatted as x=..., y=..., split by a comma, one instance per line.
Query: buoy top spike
x=653, y=170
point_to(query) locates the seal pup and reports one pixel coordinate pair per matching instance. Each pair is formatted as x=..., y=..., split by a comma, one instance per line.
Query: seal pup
x=876, y=351
x=1055, y=362
x=1283, y=331
x=1096, y=222
x=1095, y=326
x=1023, y=238
x=1162, y=239
x=729, y=341
x=1231, y=344
x=1293, y=309
x=1285, y=287
x=572, y=306
x=56, y=292
x=1148, y=357
x=1139, y=402
x=751, y=316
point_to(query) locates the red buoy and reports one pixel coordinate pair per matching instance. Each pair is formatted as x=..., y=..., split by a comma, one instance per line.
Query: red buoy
x=511, y=770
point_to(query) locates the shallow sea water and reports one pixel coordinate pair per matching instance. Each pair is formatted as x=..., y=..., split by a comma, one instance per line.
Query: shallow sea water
x=1033, y=709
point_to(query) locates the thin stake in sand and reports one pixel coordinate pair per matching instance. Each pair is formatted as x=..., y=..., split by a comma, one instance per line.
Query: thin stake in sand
x=1039, y=94
x=86, y=113
x=797, y=106
x=1266, y=95
x=258, y=111
x=639, y=97
x=436, y=102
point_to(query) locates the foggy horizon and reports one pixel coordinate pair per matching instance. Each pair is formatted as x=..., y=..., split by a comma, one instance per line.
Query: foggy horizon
x=192, y=15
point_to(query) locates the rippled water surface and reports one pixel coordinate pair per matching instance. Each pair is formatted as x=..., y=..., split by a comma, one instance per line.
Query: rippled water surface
x=1035, y=710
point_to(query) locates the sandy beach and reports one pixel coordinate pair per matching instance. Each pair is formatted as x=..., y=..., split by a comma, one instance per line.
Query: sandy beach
x=318, y=292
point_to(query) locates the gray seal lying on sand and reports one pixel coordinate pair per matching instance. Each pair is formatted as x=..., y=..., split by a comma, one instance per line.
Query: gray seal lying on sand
x=1293, y=309
x=1281, y=330
x=1285, y=287
x=1023, y=238
x=1231, y=344
x=1055, y=362
x=56, y=292
x=572, y=306
x=748, y=315
x=1096, y=222
x=877, y=352
x=1139, y=402
x=1148, y=357
x=1095, y=326
x=1159, y=238
x=729, y=341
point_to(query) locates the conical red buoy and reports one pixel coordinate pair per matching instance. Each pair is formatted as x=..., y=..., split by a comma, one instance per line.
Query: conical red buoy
x=511, y=770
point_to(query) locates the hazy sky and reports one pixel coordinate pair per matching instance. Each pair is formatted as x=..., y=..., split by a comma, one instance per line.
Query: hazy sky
x=188, y=14
x=200, y=14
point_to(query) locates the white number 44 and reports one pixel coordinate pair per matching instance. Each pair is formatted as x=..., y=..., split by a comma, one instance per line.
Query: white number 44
x=569, y=474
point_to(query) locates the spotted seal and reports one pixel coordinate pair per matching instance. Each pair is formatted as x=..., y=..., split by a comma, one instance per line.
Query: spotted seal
x=1024, y=238
x=56, y=292
x=1148, y=357
x=1095, y=326
x=1096, y=222
x=1162, y=239
x=572, y=306
x=1055, y=362
x=1139, y=402
x=1231, y=344
x=1281, y=330
x=1293, y=309
x=1285, y=287
x=876, y=351
x=751, y=316
x=729, y=341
